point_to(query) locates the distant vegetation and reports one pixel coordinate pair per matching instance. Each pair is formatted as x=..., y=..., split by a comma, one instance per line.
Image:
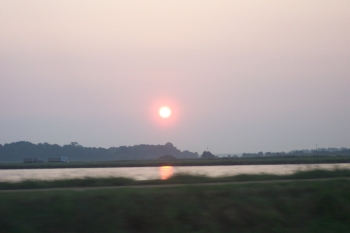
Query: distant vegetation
x=151, y=155
x=298, y=153
x=167, y=157
x=18, y=151
x=207, y=155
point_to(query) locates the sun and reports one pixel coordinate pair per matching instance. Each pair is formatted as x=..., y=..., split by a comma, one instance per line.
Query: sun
x=164, y=112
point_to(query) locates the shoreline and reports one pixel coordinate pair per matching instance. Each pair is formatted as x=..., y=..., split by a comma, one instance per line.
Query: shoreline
x=182, y=162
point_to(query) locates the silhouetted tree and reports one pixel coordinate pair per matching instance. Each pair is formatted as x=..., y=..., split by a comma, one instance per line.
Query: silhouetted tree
x=207, y=155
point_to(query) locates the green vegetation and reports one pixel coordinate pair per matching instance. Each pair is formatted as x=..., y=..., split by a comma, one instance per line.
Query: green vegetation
x=177, y=179
x=322, y=206
x=184, y=162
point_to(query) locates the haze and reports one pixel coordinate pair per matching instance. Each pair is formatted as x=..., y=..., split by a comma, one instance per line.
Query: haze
x=239, y=76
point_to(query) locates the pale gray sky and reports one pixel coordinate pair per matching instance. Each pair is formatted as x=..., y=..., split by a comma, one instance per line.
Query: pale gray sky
x=239, y=76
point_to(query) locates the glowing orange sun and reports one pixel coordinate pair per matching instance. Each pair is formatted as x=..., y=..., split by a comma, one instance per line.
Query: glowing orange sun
x=164, y=112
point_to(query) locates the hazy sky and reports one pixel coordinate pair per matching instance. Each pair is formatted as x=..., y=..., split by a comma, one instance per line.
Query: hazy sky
x=239, y=76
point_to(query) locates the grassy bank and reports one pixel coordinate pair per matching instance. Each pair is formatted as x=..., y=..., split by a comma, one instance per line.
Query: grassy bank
x=177, y=179
x=322, y=206
x=184, y=162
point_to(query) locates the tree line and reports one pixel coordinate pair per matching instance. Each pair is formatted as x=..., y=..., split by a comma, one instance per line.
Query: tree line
x=17, y=151
x=299, y=153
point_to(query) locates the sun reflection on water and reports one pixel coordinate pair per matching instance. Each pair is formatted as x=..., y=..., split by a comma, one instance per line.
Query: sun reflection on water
x=166, y=172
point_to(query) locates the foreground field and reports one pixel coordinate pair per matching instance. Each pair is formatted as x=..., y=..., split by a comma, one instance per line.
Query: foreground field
x=322, y=206
x=184, y=162
x=297, y=206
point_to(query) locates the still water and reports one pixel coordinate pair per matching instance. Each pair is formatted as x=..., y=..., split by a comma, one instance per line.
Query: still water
x=146, y=173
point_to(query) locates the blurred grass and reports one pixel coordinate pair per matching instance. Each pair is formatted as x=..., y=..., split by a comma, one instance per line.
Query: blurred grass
x=184, y=162
x=176, y=179
x=322, y=206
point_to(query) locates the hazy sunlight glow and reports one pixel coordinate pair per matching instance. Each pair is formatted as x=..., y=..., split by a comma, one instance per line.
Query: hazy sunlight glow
x=164, y=112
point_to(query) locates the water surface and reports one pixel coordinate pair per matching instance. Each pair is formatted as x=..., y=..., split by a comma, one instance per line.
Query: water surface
x=146, y=173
